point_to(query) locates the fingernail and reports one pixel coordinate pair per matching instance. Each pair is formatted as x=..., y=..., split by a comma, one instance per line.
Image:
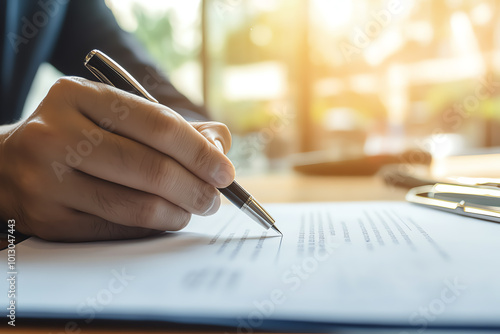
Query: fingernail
x=215, y=206
x=223, y=175
x=218, y=144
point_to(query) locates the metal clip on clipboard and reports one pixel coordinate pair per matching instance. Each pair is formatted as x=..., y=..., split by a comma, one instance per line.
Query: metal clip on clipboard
x=481, y=202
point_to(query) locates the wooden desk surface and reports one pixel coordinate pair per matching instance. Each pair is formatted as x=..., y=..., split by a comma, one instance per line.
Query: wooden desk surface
x=267, y=189
x=299, y=188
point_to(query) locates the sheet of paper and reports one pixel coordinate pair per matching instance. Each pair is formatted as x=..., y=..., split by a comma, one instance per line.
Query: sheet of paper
x=359, y=263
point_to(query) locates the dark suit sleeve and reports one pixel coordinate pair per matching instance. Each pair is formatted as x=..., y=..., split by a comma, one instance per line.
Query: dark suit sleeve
x=91, y=25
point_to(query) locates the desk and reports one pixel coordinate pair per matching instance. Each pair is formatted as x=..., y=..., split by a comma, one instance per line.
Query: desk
x=299, y=188
x=270, y=188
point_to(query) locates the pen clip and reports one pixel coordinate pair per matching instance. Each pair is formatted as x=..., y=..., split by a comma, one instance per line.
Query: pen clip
x=453, y=202
x=109, y=72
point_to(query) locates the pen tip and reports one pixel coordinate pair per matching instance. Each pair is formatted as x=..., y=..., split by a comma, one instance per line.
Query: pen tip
x=276, y=229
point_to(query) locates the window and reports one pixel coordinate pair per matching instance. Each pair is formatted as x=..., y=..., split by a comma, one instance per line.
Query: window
x=353, y=76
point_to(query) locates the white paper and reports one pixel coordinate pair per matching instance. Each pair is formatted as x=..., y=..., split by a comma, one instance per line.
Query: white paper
x=360, y=263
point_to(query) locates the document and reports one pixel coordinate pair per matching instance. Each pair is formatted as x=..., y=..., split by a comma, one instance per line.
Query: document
x=360, y=263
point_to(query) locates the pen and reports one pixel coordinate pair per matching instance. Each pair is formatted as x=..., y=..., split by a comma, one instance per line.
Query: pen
x=109, y=72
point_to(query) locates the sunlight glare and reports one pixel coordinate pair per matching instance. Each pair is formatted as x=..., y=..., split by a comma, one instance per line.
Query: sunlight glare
x=332, y=13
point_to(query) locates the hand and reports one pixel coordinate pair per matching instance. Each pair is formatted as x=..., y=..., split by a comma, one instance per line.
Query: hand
x=97, y=163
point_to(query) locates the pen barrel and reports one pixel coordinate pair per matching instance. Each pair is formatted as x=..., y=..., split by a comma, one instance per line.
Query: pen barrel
x=107, y=75
x=111, y=73
x=235, y=194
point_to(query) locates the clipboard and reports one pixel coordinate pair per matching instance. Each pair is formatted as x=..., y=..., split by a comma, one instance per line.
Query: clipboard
x=482, y=202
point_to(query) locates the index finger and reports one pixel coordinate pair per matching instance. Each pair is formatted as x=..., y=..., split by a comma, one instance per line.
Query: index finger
x=151, y=124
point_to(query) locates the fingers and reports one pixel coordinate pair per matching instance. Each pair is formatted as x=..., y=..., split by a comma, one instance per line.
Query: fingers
x=80, y=227
x=95, y=228
x=134, y=165
x=151, y=124
x=147, y=173
x=68, y=225
x=217, y=133
x=92, y=228
x=121, y=205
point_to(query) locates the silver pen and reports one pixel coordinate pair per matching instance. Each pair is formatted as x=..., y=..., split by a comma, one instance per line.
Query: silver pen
x=111, y=73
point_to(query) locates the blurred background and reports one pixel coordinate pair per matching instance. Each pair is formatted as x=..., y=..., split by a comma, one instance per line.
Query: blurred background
x=344, y=78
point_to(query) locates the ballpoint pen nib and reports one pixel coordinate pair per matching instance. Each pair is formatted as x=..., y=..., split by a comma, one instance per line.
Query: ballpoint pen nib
x=276, y=229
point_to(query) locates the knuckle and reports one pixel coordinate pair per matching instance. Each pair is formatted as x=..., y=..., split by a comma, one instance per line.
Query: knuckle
x=65, y=88
x=165, y=126
x=64, y=84
x=203, y=157
x=158, y=171
x=30, y=184
x=179, y=220
x=36, y=136
x=104, y=202
x=124, y=154
x=150, y=212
